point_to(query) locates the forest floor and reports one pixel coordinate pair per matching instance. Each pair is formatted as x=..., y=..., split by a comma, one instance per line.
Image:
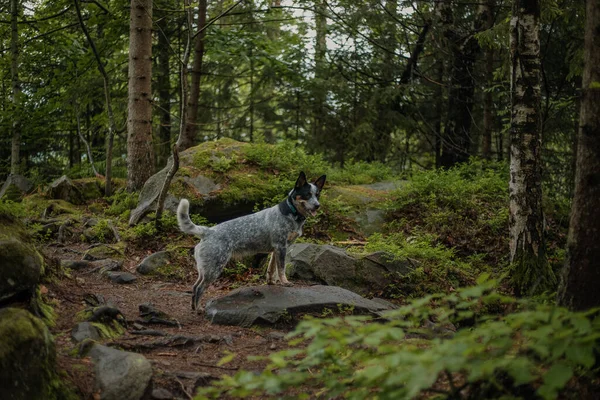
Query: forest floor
x=177, y=367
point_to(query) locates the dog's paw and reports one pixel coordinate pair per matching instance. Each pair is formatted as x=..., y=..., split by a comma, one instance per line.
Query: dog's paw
x=287, y=284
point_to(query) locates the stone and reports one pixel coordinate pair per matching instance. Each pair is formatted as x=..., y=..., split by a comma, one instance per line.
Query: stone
x=21, y=268
x=76, y=264
x=334, y=266
x=104, y=251
x=27, y=357
x=15, y=188
x=84, y=330
x=150, y=264
x=64, y=189
x=106, y=265
x=270, y=304
x=120, y=375
x=121, y=277
x=162, y=394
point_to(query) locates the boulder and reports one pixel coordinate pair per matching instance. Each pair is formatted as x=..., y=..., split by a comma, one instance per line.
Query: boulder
x=21, y=267
x=84, y=330
x=335, y=267
x=104, y=251
x=121, y=277
x=150, y=264
x=64, y=189
x=120, y=375
x=15, y=188
x=27, y=357
x=270, y=304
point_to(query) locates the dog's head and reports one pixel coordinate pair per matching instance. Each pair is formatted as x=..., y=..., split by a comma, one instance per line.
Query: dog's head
x=305, y=195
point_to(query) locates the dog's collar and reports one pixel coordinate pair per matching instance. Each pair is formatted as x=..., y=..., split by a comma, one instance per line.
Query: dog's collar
x=286, y=207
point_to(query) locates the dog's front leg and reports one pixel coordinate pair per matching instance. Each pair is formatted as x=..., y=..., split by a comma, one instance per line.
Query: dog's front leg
x=279, y=254
x=272, y=270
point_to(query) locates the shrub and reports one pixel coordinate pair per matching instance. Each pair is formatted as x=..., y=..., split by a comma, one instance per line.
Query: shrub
x=536, y=352
x=465, y=208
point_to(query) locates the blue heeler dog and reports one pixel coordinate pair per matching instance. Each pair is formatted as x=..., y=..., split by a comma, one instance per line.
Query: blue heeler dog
x=267, y=231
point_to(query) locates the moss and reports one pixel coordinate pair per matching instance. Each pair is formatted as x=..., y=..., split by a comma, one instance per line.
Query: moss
x=37, y=204
x=43, y=309
x=114, y=251
x=109, y=330
x=28, y=357
x=90, y=188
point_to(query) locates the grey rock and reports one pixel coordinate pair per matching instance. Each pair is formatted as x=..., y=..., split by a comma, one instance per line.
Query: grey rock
x=15, y=188
x=162, y=394
x=20, y=268
x=121, y=277
x=270, y=304
x=275, y=335
x=202, y=184
x=101, y=252
x=84, y=330
x=64, y=189
x=106, y=265
x=76, y=264
x=154, y=261
x=333, y=266
x=120, y=375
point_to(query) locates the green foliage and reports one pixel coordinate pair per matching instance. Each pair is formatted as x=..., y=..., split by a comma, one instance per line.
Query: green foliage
x=11, y=211
x=465, y=208
x=436, y=267
x=538, y=351
x=121, y=203
x=148, y=230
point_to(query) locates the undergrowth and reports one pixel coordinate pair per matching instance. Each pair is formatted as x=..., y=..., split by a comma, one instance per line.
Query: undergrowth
x=509, y=349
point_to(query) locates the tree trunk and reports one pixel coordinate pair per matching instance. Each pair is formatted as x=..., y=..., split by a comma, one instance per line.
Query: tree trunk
x=140, y=160
x=456, y=146
x=531, y=273
x=163, y=84
x=320, y=52
x=487, y=21
x=581, y=274
x=188, y=138
x=16, y=90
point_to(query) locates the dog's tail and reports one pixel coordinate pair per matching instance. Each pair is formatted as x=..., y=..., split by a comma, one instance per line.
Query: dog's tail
x=186, y=224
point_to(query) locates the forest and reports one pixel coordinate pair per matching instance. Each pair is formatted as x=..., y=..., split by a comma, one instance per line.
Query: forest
x=438, y=160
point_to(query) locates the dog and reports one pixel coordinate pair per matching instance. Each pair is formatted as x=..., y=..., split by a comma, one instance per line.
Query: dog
x=267, y=231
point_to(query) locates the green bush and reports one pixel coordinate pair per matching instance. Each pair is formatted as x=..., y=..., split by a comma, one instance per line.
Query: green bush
x=538, y=351
x=465, y=208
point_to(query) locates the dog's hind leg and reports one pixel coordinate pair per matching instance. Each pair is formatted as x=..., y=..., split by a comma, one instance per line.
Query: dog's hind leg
x=199, y=286
x=272, y=270
x=279, y=255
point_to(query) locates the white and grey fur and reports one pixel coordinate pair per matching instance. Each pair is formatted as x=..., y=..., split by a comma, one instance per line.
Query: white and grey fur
x=267, y=231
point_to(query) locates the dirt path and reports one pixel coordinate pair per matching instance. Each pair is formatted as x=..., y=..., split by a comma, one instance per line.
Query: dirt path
x=179, y=369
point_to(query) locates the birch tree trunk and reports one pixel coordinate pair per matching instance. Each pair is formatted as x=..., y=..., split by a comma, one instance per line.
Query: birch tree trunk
x=16, y=90
x=188, y=137
x=531, y=273
x=140, y=157
x=581, y=273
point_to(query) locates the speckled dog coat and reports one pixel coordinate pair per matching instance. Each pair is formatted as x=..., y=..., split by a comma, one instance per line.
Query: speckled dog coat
x=267, y=231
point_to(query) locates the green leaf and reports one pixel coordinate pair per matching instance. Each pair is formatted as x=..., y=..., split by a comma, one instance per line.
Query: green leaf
x=556, y=378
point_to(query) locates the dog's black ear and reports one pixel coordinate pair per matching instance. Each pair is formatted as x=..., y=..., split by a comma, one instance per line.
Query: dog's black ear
x=301, y=181
x=319, y=183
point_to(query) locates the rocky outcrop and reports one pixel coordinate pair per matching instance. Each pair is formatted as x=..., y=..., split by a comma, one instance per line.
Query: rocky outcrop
x=120, y=375
x=27, y=357
x=64, y=189
x=334, y=266
x=270, y=304
x=15, y=188
x=21, y=268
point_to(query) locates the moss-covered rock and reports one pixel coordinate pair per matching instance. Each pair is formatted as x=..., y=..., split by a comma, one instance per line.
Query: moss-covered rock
x=21, y=268
x=27, y=357
x=64, y=189
x=15, y=188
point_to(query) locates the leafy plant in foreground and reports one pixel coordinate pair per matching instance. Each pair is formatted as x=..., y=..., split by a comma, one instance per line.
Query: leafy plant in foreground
x=534, y=352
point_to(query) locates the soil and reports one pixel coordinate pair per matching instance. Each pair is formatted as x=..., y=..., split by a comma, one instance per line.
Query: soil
x=178, y=369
